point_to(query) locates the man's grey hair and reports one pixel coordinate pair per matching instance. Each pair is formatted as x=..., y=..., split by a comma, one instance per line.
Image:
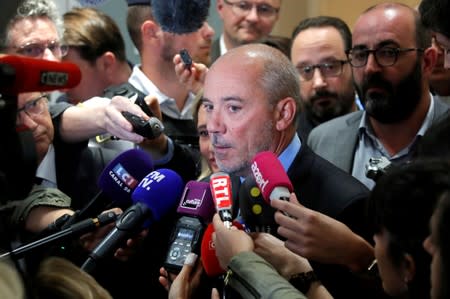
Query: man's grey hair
x=32, y=9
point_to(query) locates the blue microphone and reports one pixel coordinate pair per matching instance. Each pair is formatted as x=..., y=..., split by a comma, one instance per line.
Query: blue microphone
x=155, y=196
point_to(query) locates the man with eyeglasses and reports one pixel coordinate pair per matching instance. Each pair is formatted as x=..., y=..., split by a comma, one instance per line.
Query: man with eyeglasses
x=392, y=61
x=326, y=86
x=244, y=22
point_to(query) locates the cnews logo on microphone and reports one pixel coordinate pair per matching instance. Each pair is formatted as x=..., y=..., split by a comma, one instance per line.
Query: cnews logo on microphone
x=259, y=177
x=121, y=176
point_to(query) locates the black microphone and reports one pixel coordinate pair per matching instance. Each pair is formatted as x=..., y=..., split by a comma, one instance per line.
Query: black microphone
x=77, y=229
x=197, y=209
x=155, y=195
x=180, y=16
x=256, y=212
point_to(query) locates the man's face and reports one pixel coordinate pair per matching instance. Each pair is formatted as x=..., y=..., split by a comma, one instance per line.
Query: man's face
x=240, y=121
x=27, y=32
x=197, y=43
x=93, y=78
x=323, y=97
x=37, y=119
x=390, y=94
x=444, y=42
x=246, y=28
x=441, y=74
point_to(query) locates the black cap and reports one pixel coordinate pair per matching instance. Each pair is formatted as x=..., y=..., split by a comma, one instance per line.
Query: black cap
x=139, y=2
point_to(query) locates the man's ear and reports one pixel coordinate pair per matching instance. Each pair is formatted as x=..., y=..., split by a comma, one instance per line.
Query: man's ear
x=149, y=30
x=285, y=111
x=409, y=268
x=429, y=60
x=107, y=64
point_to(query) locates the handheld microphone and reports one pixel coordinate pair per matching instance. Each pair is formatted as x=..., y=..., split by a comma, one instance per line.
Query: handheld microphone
x=23, y=74
x=117, y=182
x=197, y=209
x=77, y=229
x=155, y=195
x=180, y=16
x=208, y=252
x=257, y=213
x=271, y=177
x=220, y=183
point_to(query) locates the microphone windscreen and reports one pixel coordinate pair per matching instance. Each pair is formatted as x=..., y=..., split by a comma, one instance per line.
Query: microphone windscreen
x=197, y=201
x=180, y=16
x=122, y=175
x=269, y=173
x=257, y=213
x=160, y=190
x=23, y=74
x=208, y=252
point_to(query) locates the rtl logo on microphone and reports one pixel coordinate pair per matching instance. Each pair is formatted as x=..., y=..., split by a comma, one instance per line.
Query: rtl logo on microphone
x=153, y=176
x=221, y=191
x=259, y=177
x=121, y=176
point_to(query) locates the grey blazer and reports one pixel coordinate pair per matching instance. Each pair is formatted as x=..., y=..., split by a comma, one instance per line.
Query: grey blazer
x=215, y=50
x=336, y=139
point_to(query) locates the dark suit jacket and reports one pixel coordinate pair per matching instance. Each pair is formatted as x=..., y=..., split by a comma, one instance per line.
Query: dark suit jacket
x=215, y=50
x=322, y=187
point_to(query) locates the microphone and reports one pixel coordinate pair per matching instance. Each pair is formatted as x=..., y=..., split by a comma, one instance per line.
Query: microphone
x=271, y=177
x=155, y=195
x=180, y=16
x=220, y=184
x=23, y=74
x=257, y=214
x=117, y=182
x=77, y=229
x=208, y=252
x=197, y=209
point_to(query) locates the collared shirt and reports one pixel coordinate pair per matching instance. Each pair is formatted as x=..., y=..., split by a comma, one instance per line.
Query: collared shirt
x=369, y=146
x=47, y=169
x=168, y=105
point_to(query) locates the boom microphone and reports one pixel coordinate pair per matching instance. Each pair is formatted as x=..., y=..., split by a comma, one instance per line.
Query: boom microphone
x=257, y=213
x=23, y=74
x=180, y=16
x=197, y=209
x=155, y=195
x=220, y=183
x=271, y=177
x=77, y=229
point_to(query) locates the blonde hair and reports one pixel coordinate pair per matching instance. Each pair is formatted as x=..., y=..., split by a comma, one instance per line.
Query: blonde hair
x=59, y=278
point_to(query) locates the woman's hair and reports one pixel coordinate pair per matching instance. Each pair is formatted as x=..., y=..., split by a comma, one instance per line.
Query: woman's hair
x=58, y=278
x=443, y=243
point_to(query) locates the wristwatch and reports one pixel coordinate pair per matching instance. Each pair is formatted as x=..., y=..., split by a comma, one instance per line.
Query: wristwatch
x=302, y=281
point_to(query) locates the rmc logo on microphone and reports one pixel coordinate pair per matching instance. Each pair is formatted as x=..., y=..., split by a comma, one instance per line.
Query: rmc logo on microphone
x=259, y=177
x=121, y=176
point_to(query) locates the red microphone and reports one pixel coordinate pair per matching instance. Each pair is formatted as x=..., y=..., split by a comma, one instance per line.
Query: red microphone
x=208, y=252
x=23, y=74
x=270, y=177
x=220, y=184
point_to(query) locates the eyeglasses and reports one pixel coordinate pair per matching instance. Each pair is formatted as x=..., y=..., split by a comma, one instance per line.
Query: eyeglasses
x=35, y=49
x=384, y=56
x=327, y=69
x=243, y=8
x=33, y=108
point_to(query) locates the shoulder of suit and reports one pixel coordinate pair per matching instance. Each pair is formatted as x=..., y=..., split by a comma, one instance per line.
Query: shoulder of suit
x=337, y=123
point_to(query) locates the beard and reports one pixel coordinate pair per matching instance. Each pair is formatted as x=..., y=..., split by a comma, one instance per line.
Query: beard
x=396, y=103
x=340, y=105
